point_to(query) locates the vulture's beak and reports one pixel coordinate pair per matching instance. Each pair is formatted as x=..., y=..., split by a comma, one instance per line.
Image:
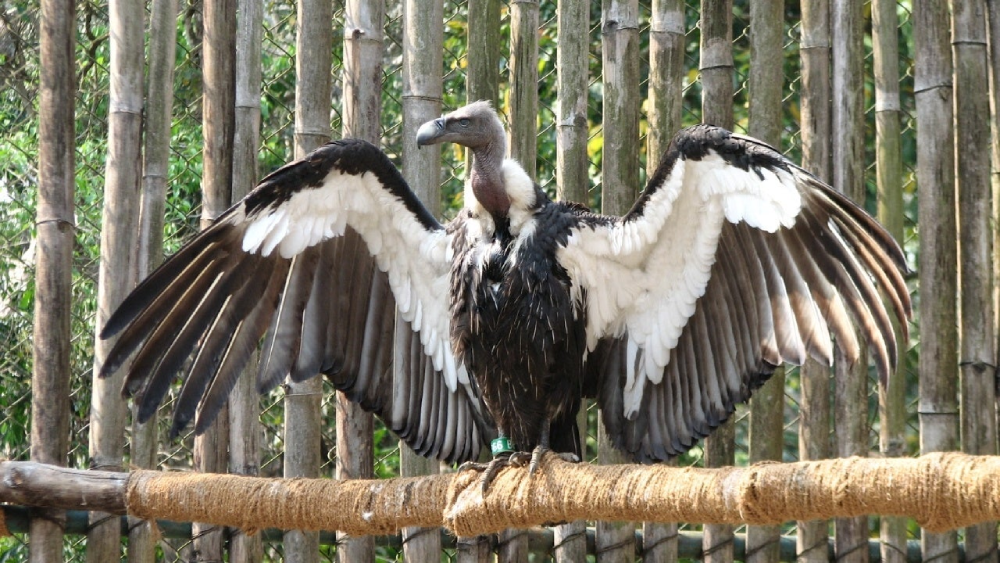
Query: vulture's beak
x=430, y=132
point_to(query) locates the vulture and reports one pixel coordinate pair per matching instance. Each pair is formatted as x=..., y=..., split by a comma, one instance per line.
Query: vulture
x=732, y=261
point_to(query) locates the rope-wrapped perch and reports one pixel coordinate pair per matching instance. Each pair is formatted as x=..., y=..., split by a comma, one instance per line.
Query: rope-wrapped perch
x=941, y=491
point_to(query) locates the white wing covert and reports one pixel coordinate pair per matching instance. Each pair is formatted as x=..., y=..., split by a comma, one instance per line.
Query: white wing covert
x=320, y=255
x=732, y=262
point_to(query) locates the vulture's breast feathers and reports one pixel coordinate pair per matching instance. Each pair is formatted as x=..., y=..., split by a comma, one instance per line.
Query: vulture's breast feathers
x=508, y=287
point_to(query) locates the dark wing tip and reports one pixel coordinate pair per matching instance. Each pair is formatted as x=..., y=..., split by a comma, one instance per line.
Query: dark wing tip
x=114, y=325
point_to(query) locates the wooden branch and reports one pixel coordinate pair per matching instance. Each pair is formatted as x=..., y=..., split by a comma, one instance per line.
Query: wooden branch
x=41, y=485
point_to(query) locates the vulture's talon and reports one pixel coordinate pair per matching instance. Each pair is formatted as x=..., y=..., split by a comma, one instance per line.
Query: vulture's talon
x=472, y=466
x=542, y=451
x=491, y=469
x=536, y=458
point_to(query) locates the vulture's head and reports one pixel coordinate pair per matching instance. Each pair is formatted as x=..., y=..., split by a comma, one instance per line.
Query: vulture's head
x=475, y=126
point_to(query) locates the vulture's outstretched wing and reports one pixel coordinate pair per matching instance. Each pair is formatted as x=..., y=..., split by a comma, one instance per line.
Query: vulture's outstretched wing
x=731, y=262
x=319, y=255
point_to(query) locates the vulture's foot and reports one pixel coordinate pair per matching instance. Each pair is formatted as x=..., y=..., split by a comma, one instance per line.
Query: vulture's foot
x=540, y=451
x=492, y=469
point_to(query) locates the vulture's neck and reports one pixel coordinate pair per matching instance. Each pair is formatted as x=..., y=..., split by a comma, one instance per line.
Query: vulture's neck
x=487, y=177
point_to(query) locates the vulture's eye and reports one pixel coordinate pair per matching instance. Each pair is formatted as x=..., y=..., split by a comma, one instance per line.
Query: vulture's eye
x=464, y=122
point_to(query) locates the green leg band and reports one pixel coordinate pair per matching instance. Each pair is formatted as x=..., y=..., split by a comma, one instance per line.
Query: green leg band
x=501, y=445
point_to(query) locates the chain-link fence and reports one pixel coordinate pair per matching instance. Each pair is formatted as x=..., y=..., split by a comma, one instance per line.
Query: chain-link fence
x=19, y=76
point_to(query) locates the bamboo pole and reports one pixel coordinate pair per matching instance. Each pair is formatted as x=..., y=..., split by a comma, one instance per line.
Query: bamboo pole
x=363, y=38
x=482, y=82
x=851, y=382
x=716, y=62
x=423, y=35
x=889, y=176
x=244, y=401
x=938, y=403
x=118, y=251
x=619, y=188
x=523, y=132
x=716, y=66
x=572, y=131
x=620, y=61
x=142, y=536
x=814, y=378
x=53, y=262
x=313, y=61
x=666, y=81
x=218, y=123
x=572, y=184
x=977, y=362
x=666, y=78
x=482, y=79
x=303, y=399
x=993, y=12
x=476, y=548
x=766, y=80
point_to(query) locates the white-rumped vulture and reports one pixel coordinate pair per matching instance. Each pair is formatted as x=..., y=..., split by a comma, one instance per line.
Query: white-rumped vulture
x=732, y=261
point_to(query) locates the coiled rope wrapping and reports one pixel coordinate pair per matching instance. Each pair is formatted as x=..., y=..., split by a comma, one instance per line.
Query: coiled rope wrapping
x=941, y=491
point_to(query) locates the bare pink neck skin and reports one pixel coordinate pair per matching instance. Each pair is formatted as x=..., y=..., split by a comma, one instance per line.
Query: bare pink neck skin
x=487, y=178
